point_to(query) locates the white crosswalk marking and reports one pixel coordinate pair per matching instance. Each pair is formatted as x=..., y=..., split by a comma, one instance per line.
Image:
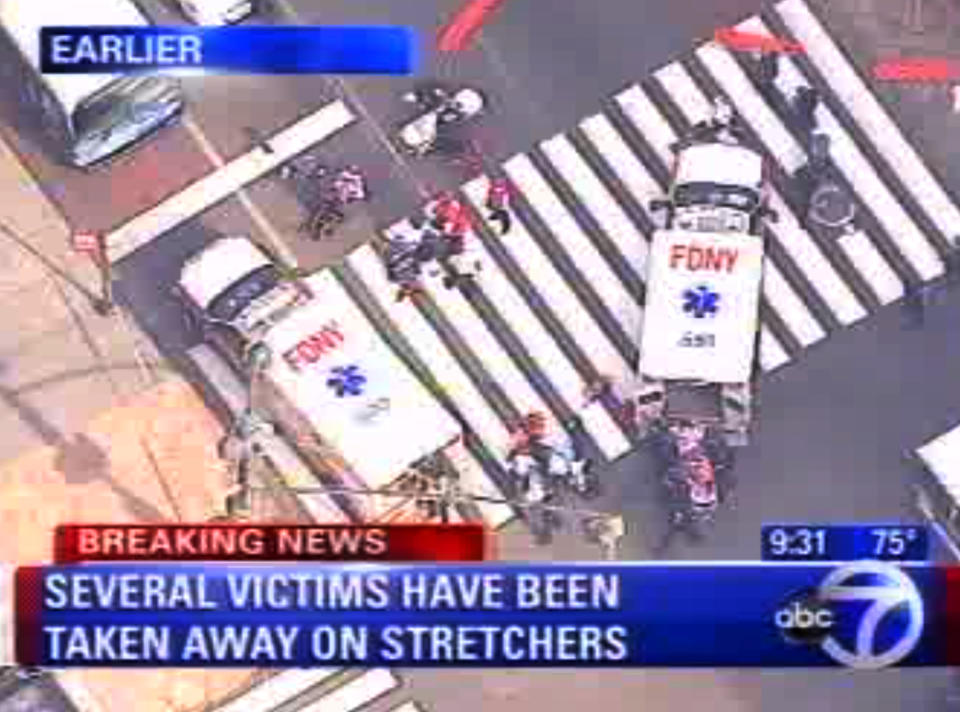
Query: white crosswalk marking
x=474, y=408
x=542, y=348
x=846, y=156
x=557, y=295
x=413, y=326
x=620, y=159
x=640, y=110
x=772, y=353
x=787, y=231
x=863, y=253
x=565, y=230
x=785, y=302
x=581, y=179
x=871, y=118
x=482, y=342
x=780, y=296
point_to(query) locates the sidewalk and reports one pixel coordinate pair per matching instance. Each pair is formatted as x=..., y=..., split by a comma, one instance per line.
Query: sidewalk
x=152, y=460
x=95, y=429
x=60, y=363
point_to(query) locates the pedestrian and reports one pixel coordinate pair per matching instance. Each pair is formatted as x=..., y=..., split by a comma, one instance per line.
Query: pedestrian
x=447, y=214
x=498, y=204
x=804, y=104
x=602, y=391
x=768, y=69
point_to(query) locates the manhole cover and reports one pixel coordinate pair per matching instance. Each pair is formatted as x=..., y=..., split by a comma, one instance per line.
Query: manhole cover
x=830, y=206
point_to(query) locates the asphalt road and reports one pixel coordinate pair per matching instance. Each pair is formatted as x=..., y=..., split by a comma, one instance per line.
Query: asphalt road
x=832, y=429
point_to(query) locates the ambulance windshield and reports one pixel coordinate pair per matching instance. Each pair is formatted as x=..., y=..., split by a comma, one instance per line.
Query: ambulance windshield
x=714, y=194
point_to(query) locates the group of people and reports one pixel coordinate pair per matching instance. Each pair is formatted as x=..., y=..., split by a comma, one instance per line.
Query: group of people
x=439, y=239
x=539, y=455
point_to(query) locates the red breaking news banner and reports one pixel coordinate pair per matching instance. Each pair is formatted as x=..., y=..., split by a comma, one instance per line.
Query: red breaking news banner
x=74, y=543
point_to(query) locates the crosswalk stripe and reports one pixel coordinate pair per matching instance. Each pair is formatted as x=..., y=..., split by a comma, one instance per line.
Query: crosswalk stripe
x=358, y=692
x=778, y=293
x=565, y=231
x=772, y=353
x=642, y=113
x=619, y=158
x=787, y=304
x=548, y=356
x=846, y=156
x=481, y=341
x=884, y=134
x=413, y=326
x=543, y=349
x=790, y=235
x=557, y=295
x=811, y=261
x=861, y=251
x=582, y=180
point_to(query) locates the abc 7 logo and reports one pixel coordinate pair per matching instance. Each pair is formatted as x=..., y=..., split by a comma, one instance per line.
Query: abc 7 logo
x=815, y=618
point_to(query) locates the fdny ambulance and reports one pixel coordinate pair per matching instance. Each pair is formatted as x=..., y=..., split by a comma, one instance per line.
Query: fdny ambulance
x=330, y=384
x=704, y=274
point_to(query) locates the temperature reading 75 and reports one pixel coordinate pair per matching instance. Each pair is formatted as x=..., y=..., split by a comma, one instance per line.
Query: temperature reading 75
x=892, y=542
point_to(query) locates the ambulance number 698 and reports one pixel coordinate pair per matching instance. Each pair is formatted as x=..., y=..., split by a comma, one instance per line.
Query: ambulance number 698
x=697, y=341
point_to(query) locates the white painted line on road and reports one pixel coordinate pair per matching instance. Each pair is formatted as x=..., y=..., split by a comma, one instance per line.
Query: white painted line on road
x=221, y=183
x=864, y=255
x=278, y=244
x=772, y=353
x=407, y=320
x=884, y=134
x=752, y=107
x=784, y=300
x=544, y=351
x=292, y=470
x=278, y=689
x=684, y=92
x=814, y=265
x=357, y=693
x=552, y=288
x=620, y=158
x=589, y=190
x=846, y=156
x=409, y=706
x=640, y=110
x=796, y=242
x=582, y=251
x=480, y=340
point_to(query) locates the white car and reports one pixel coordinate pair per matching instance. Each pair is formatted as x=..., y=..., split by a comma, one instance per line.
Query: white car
x=216, y=12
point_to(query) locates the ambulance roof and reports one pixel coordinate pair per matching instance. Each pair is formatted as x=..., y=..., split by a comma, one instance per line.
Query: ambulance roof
x=702, y=303
x=719, y=163
x=23, y=19
x=205, y=275
x=379, y=446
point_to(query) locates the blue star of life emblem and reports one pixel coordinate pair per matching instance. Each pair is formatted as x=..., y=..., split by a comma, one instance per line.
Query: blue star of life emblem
x=701, y=301
x=346, y=381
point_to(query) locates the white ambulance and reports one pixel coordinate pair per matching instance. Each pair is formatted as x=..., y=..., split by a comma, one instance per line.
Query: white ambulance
x=704, y=274
x=331, y=384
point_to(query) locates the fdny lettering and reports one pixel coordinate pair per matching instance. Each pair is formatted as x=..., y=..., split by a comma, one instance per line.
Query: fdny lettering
x=311, y=349
x=695, y=258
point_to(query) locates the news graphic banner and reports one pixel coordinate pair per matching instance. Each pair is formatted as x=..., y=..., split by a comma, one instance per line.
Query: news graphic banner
x=74, y=543
x=868, y=614
x=386, y=50
x=810, y=542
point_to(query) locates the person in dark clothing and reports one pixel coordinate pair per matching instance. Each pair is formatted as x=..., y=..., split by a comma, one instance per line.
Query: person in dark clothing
x=768, y=69
x=804, y=105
